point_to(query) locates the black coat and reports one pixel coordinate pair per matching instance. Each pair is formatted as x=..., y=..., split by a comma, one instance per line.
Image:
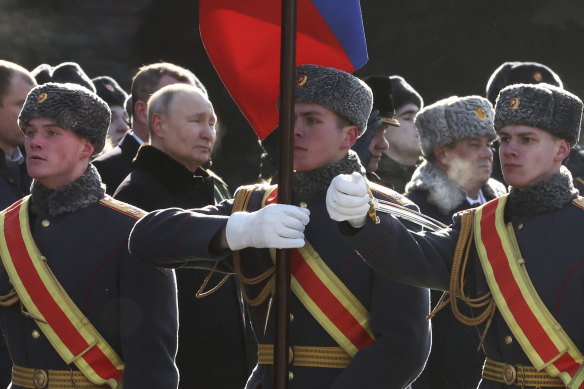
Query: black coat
x=114, y=165
x=214, y=351
x=397, y=313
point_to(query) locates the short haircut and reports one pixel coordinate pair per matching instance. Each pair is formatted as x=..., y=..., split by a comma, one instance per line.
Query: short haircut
x=161, y=101
x=9, y=70
x=146, y=80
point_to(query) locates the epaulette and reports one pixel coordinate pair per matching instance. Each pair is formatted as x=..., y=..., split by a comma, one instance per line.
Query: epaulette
x=122, y=207
x=579, y=202
x=391, y=194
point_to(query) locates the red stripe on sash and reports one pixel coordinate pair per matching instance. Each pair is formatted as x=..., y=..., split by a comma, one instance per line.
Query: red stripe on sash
x=48, y=307
x=511, y=291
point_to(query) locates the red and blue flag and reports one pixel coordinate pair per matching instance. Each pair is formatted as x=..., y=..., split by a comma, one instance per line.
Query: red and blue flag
x=242, y=39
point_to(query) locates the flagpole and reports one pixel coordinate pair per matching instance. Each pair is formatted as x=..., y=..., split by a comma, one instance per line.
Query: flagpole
x=286, y=123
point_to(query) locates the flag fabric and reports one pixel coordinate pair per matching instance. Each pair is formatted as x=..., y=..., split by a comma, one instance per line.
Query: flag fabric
x=242, y=40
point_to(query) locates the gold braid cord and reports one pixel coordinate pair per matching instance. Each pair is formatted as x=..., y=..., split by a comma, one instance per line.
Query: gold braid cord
x=9, y=299
x=239, y=204
x=459, y=264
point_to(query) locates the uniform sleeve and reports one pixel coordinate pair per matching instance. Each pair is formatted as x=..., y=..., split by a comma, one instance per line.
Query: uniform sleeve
x=176, y=237
x=421, y=259
x=148, y=325
x=402, y=339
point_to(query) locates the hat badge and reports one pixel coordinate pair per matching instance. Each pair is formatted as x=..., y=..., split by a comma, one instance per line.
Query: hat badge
x=537, y=77
x=109, y=87
x=301, y=80
x=514, y=103
x=481, y=113
x=42, y=97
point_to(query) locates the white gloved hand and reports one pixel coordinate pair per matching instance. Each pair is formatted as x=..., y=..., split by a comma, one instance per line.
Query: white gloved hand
x=278, y=226
x=347, y=199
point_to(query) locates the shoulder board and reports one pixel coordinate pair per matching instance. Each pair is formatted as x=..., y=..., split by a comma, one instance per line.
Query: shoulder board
x=122, y=207
x=390, y=193
x=579, y=202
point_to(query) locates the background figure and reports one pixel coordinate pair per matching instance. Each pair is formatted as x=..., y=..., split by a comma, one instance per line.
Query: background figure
x=399, y=161
x=213, y=350
x=66, y=72
x=110, y=91
x=114, y=165
x=456, y=135
x=15, y=83
x=97, y=289
x=372, y=143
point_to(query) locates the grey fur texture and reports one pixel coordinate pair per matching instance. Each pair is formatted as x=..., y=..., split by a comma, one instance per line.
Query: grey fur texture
x=73, y=107
x=545, y=196
x=443, y=193
x=542, y=106
x=314, y=183
x=452, y=119
x=336, y=90
x=79, y=194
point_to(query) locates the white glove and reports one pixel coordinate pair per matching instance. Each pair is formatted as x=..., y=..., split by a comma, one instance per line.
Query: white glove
x=347, y=199
x=279, y=226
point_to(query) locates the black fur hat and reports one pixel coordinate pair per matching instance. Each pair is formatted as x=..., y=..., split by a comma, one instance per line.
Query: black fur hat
x=110, y=91
x=542, y=106
x=71, y=72
x=511, y=73
x=403, y=93
x=42, y=73
x=73, y=107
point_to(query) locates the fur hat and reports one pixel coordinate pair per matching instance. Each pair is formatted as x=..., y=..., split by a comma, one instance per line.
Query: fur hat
x=542, y=106
x=336, y=90
x=71, y=72
x=403, y=93
x=73, y=107
x=454, y=118
x=110, y=91
x=42, y=73
x=511, y=73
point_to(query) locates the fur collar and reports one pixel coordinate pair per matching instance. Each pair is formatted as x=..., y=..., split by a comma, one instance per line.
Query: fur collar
x=442, y=192
x=315, y=183
x=79, y=194
x=546, y=196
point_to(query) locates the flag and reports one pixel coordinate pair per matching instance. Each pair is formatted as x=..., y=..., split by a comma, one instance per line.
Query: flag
x=242, y=40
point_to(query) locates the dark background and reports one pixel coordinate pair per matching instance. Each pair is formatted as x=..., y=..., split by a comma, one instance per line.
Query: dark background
x=442, y=47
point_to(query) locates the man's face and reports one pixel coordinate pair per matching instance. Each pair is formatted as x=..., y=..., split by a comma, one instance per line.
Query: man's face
x=54, y=156
x=188, y=130
x=377, y=146
x=405, y=138
x=10, y=134
x=318, y=141
x=529, y=155
x=119, y=124
x=470, y=162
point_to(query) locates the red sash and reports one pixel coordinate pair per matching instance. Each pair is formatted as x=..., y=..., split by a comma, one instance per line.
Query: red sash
x=64, y=325
x=541, y=337
x=325, y=296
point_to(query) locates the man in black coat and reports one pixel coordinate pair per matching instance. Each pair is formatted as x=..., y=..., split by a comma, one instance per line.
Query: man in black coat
x=114, y=165
x=168, y=173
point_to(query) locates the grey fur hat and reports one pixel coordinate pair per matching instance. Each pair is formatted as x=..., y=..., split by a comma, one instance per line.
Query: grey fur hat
x=336, y=90
x=454, y=118
x=542, y=106
x=73, y=107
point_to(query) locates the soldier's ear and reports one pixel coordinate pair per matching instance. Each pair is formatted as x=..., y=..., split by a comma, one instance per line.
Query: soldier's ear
x=87, y=149
x=351, y=134
x=563, y=150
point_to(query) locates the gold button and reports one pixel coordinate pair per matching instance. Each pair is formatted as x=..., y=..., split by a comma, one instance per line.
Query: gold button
x=303, y=204
x=290, y=355
x=45, y=223
x=36, y=334
x=290, y=376
x=291, y=318
x=520, y=226
x=508, y=339
x=40, y=379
